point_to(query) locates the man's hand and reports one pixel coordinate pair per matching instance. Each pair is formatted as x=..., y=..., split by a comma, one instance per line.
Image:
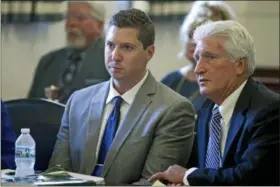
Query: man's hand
x=52, y=92
x=174, y=175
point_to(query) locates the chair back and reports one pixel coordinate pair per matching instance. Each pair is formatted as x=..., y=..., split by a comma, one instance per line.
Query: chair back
x=43, y=117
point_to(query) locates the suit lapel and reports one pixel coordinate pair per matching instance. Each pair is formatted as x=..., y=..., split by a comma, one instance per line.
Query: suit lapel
x=202, y=132
x=135, y=112
x=94, y=125
x=57, y=66
x=238, y=117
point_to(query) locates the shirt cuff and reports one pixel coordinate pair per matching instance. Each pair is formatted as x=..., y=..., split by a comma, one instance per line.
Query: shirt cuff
x=189, y=171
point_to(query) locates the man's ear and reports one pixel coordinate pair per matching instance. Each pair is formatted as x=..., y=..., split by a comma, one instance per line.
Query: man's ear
x=241, y=65
x=150, y=50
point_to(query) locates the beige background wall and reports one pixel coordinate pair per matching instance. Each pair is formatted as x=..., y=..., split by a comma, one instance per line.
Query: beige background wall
x=22, y=46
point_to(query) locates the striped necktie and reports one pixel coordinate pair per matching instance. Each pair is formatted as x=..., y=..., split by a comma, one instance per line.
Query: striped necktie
x=213, y=155
x=69, y=74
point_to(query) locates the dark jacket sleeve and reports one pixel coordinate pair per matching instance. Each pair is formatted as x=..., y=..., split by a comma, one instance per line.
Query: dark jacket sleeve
x=259, y=163
x=193, y=160
x=38, y=76
x=8, y=139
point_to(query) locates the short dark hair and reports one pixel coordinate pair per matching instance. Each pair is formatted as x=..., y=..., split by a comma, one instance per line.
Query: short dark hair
x=135, y=18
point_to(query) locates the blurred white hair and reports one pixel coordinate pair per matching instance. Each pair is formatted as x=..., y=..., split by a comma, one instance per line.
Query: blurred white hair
x=199, y=13
x=209, y=8
x=98, y=8
x=239, y=43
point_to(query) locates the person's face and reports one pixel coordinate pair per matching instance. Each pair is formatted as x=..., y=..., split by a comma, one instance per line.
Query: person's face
x=81, y=28
x=125, y=57
x=190, y=47
x=216, y=73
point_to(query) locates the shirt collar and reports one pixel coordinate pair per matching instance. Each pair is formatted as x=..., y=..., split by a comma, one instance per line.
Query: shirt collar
x=128, y=96
x=226, y=108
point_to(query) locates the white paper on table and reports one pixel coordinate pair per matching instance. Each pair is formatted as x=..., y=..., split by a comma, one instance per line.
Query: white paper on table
x=98, y=180
x=4, y=174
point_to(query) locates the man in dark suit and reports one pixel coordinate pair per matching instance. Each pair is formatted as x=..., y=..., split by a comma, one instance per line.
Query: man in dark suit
x=237, y=140
x=8, y=139
x=81, y=63
x=132, y=126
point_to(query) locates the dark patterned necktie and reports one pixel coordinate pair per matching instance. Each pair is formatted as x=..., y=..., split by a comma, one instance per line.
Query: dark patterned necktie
x=108, y=136
x=69, y=74
x=213, y=155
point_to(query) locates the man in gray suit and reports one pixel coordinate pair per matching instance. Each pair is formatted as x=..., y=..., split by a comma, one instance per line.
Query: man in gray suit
x=154, y=123
x=81, y=63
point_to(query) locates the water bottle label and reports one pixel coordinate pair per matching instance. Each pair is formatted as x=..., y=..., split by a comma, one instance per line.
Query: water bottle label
x=24, y=152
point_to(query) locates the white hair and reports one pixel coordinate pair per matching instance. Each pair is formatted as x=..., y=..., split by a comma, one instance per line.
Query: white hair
x=201, y=11
x=239, y=42
x=207, y=8
x=98, y=9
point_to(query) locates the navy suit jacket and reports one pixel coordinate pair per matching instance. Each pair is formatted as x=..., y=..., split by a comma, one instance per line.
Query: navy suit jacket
x=251, y=155
x=8, y=139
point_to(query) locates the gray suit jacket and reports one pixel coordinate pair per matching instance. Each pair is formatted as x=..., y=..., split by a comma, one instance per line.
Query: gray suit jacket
x=52, y=65
x=156, y=132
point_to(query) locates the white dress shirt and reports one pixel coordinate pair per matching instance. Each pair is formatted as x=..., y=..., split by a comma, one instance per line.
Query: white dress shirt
x=128, y=98
x=226, y=110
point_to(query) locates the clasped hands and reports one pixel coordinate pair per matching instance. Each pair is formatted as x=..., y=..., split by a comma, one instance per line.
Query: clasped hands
x=52, y=92
x=173, y=176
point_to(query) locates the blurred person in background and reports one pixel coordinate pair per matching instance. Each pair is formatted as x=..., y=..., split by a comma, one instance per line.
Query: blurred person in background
x=8, y=139
x=81, y=62
x=183, y=80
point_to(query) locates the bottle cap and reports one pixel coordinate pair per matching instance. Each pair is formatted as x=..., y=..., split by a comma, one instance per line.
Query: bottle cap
x=25, y=130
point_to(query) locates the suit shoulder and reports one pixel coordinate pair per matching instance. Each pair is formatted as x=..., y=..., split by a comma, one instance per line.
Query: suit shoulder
x=265, y=115
x=60, y=51
x=262, y=101
x=47, y=58
x=91, y=90
x=264, y=96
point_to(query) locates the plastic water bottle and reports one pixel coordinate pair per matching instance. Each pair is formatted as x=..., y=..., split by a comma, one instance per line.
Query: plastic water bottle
x=24, y=154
